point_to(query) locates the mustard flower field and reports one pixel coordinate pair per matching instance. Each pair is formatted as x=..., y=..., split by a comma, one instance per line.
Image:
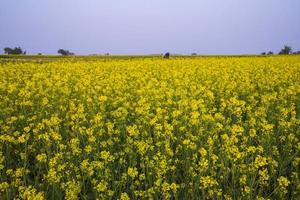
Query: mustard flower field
x=150, y=128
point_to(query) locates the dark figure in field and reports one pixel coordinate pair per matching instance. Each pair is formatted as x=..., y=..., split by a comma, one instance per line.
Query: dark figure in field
x=167, y=55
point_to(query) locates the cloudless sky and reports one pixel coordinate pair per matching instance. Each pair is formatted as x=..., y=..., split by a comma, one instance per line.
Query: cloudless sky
x=150, y=26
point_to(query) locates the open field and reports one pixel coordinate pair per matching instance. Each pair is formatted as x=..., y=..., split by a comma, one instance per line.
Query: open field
x=148, y=128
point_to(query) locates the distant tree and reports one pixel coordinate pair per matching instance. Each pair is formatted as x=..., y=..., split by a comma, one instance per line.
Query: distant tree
x=62, y=52
x=270, y=53
x=65, y=52
x=194, y=54
x=39, y=54
x=15, y=51
x=263, y=53
x=286, y=50
x=167, y=55
x=8, y=50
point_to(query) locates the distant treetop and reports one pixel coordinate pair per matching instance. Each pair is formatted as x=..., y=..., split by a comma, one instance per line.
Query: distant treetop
x=64, y=52
x=286, y=50
x=15, y=51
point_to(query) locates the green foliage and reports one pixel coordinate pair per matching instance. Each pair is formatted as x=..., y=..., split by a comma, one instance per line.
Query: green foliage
x=65, y=52
x=15, y=51
x=286, y=50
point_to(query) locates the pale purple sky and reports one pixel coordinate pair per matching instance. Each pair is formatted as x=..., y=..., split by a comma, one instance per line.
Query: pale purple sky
x=150, y=26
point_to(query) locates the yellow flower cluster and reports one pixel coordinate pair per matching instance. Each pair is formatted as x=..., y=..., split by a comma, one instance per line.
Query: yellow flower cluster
x=146, y=128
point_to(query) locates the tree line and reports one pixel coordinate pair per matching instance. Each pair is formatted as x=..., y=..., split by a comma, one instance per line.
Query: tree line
x=19, y=51
x=286, y=50
x=14, y=51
